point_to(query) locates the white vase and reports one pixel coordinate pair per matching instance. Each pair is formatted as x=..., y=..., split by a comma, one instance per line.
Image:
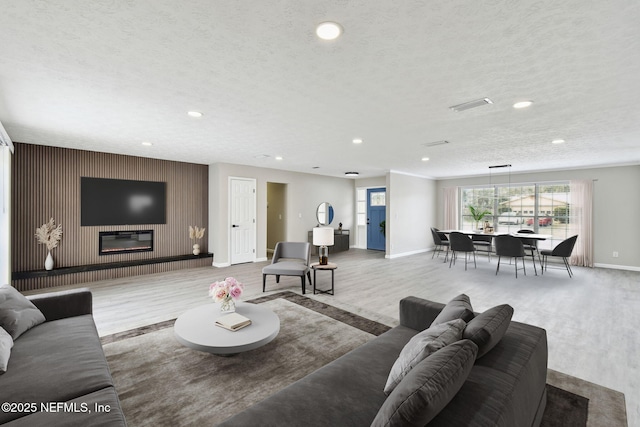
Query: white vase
x=196, y=249
x=48, y=263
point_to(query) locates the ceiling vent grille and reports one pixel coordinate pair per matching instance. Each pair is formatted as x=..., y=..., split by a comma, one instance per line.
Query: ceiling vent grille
x=4, y=138
x=435, y=143
x=471, y=104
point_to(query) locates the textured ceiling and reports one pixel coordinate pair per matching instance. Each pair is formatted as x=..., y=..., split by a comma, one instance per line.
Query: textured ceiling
x=106, y=75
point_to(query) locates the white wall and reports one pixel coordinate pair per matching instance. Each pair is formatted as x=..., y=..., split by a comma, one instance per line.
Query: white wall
x=304, y=193
x=616, y=208
x=411, y=212
x=5, y=215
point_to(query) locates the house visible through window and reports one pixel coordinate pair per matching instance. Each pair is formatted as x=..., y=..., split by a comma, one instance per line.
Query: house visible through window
x=543, y=208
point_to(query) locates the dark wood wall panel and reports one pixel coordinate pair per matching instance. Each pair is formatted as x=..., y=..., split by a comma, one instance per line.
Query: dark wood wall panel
x=46, y=183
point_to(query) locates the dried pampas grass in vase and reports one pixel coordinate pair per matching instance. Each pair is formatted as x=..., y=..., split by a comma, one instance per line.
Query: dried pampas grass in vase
x=196, y=233
x=50, y=235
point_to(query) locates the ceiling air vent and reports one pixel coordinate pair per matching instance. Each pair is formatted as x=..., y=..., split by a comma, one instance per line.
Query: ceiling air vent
x=471, y=104
x=435, y=143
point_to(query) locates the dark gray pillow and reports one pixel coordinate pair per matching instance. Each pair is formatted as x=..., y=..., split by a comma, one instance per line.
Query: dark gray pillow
x=429, y=386
x=488, y=328
x=6, y=342
x=17, y=313
x=422, y=345
x=457, y=308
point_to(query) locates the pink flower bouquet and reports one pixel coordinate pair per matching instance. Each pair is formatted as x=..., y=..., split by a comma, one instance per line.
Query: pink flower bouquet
x=226, y=289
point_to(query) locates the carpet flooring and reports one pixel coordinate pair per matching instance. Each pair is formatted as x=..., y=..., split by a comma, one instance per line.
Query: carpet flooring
x=161, y=383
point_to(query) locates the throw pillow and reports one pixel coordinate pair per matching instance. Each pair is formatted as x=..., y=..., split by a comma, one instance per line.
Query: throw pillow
x=6, y=342
x=488, y=328
x=422, y=345
x=457, y=308
x=17, y=313
x=429, y=386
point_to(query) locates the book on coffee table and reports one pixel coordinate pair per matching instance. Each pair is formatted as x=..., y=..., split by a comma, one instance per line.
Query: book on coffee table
x=233, y=321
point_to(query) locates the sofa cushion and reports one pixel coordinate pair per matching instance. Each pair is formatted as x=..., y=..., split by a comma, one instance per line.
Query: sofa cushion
x=429, y=386
x=6, y=342
x=488, y=328
x=346, y=392
x=422, y=345
x=55, y=362
x=458, y=308
x=17, y=313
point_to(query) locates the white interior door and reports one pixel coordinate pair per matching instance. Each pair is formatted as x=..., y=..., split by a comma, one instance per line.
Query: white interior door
x=242, y=215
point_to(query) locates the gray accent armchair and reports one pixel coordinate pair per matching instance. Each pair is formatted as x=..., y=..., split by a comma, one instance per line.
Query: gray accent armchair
x=289, y=259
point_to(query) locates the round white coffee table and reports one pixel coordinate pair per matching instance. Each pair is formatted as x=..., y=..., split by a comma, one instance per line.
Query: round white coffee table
x=196, y=329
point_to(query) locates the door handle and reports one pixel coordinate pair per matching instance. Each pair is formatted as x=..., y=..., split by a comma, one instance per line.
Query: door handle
x=234, y=225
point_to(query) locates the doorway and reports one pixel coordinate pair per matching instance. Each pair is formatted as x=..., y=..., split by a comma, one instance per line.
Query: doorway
x=242, y=218
x=376, y=218
x=276, y=214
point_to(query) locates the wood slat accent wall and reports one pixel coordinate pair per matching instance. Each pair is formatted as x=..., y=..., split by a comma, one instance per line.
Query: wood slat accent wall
x=46, y=184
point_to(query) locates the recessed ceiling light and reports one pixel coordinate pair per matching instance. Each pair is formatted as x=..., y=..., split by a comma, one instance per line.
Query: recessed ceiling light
x=557, y=141
x=357, y=140
x=522, y=104
x=425, y=159
x=195, y=113
x=148, y=144
x=278, y=157
x=329, y=30
x=351, y=174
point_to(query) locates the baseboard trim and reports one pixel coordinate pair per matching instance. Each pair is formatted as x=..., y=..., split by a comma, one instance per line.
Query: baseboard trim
x=617, y=267
x=261, y=259
x=221, y=264
x=403, y=254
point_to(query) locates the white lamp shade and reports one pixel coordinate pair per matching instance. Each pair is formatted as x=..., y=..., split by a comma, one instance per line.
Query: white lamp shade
x=323, y=236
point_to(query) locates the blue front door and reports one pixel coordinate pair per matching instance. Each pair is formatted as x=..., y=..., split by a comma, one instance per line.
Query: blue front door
x=376, y=218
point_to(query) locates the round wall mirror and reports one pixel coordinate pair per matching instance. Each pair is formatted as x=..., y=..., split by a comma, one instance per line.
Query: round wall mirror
x=324, y=213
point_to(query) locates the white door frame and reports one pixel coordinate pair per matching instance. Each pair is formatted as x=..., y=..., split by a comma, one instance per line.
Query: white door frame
x=229, y=217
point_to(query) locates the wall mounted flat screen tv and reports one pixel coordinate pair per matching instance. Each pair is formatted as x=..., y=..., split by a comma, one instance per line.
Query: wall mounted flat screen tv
x=122, y=202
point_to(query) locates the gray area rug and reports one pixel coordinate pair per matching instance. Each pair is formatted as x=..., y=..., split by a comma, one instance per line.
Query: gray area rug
x=161, y=383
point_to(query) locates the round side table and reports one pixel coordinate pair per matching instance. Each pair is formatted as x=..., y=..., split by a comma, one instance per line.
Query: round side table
x=329, y=266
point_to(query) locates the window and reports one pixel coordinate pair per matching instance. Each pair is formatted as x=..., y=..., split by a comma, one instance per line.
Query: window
x=543, y=208
x=362, y=206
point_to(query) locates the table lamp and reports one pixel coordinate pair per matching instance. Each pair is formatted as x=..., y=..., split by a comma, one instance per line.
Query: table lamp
x=323, y=237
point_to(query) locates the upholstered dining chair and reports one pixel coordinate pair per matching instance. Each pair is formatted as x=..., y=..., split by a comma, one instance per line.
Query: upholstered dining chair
x=461, y=243
x=289, y=259
x=563, y=249
x=511, y=247
x=483, y=243
x=441, y=241
x=531, y=245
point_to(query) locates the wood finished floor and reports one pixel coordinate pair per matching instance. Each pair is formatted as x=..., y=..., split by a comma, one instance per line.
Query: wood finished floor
x=591, y=320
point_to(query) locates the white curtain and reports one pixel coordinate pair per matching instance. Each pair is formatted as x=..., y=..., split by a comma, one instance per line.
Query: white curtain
x=581, y=222
x=450, y=208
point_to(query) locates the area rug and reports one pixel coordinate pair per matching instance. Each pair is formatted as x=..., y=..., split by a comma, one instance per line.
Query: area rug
x=162, y=383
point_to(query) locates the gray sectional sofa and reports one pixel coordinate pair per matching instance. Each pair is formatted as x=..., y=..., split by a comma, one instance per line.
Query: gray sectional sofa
x=60, y=364
x=500, y=381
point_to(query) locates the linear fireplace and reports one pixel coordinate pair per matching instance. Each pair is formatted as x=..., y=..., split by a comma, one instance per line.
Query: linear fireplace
x=118, y=242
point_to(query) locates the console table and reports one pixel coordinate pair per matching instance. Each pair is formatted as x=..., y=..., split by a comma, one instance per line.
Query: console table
x=340, y=242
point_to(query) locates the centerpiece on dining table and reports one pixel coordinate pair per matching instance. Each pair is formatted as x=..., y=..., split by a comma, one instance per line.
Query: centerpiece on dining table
x=226, y=292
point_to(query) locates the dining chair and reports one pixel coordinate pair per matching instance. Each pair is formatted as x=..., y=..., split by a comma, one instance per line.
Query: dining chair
x=532, y=246
x=511, y=247
x=563, y=249
x=483, y=241
x=289, y=259
x=441, y=241
x=461, y=243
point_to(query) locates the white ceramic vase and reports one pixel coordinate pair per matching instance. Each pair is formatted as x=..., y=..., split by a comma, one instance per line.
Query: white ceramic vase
x=48, y=263
x=196, y=249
